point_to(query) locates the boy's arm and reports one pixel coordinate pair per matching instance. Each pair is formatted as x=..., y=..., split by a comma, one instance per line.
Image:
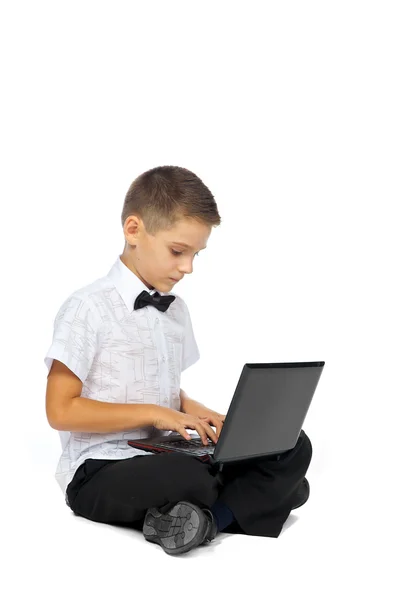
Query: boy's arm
x=188, y=403
x=66, y=410
x=78, y=335
x=191, y=407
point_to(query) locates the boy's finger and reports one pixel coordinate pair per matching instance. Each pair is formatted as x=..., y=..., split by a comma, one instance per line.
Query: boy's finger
x=211, y=433
x=202, y=434
x=215, y=422
x=183, y=433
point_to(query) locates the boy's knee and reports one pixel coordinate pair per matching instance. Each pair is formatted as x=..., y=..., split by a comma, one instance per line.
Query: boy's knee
x=190, y=479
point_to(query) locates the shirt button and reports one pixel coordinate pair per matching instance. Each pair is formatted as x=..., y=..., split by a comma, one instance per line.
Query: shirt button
x=163, y=358
x=166, y=399
x=157, y=320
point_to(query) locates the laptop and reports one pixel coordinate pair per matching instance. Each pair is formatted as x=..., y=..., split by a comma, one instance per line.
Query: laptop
x=265, y=416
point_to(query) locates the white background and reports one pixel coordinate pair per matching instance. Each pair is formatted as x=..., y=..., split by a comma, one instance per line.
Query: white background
x=289, y=113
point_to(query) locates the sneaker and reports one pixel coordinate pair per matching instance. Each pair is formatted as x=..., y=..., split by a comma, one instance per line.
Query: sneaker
x=302, y=494
x=181, y=528
x=213, y=529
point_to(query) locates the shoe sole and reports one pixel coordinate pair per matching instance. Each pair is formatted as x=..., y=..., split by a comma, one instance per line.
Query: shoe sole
x=180, y=529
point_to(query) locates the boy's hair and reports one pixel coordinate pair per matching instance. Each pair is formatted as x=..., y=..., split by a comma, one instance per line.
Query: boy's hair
x=164, y=195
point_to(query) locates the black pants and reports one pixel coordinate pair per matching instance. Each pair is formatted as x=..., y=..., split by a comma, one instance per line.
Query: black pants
x=259, y=491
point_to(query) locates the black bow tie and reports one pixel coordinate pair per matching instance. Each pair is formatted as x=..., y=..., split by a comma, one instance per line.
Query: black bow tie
x=156, y=300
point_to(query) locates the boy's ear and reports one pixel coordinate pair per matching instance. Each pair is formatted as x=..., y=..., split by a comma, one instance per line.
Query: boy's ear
x=132, y=228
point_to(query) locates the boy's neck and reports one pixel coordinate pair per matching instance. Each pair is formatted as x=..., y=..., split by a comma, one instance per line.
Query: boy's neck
x=129, y=264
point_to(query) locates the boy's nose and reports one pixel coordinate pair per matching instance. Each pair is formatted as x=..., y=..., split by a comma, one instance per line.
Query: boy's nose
x=187, y=268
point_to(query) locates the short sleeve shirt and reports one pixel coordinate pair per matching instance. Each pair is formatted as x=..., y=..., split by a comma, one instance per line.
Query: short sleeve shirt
x=121, y=355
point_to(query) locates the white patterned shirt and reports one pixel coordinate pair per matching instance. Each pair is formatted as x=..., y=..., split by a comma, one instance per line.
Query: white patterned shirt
x=121, y=355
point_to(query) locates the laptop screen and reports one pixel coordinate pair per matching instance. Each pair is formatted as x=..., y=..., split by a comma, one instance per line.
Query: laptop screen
x=268, y=409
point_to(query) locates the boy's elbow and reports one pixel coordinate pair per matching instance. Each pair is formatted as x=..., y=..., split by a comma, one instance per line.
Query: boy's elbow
x=55, y=419
x=59, y=413
x=55, y=423
x=63, y=387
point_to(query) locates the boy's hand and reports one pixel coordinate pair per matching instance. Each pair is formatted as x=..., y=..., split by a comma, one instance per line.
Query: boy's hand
x=170, y=419
x=192, y=407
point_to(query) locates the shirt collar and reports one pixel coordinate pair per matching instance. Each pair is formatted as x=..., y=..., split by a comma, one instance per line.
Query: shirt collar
x=128, y=285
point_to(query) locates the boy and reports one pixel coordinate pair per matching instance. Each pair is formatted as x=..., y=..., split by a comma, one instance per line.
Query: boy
x=114, y=374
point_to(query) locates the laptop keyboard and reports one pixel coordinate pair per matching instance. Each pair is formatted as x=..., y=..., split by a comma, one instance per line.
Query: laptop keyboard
x=196, y=446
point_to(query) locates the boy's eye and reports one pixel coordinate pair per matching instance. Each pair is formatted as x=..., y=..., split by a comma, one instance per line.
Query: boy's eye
x=176, y=253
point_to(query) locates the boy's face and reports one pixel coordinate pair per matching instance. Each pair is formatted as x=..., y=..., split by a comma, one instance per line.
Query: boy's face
x=158, y=259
